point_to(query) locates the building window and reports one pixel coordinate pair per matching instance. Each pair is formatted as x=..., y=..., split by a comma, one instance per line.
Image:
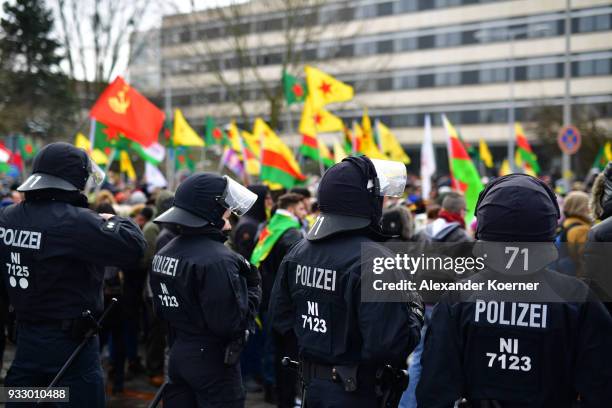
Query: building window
x=345, y=14
x=406, y=82
x=326, y=51
x=181, y=100
x=544, y=71
x=306, y=20
x=586, y=68
x=493, y=115
x=366, y=11
x=385, y=47
x=408, y=5
x=199, y=99
x=469, y=77
x=407, y=44
x=488, y=75
x=447, y=78
x=426, y=81
x=310, y=54
x=326, y=14
x=365, y=85
x=520, y=73
x=346, y=50
x=426, y=41
x=594, y=23
x=602, y=67
x=185, y=36
x=538, y=30
x=213, y=97
x=365, y=48
x=426, y=5
x=448, y=39
x=446, y=3
x=470, y=116
x=384, y=9
x=469, y=37
x=591, y=67
x=405, y=120
x=384, y=84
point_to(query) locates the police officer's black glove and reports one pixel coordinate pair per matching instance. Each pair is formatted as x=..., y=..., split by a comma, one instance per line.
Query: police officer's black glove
x=251, y=274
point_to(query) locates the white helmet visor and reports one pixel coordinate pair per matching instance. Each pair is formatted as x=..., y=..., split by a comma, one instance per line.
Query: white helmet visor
x=391, y=176
x=237, y=198
x=95, y=172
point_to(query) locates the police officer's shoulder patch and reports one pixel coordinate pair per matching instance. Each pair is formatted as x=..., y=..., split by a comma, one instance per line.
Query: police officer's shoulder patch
x=242, y=259
x=110, y=225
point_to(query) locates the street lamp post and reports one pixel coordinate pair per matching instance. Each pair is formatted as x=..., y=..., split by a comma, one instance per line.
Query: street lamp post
x=567, y=102
x=510, y=34
x=511, y=112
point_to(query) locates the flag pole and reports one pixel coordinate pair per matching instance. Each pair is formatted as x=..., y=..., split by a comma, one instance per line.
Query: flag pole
x=203, y=157
x=220, y=166
x=245, y=174
x=170, y=158
x=321, y=165
x=296, y=147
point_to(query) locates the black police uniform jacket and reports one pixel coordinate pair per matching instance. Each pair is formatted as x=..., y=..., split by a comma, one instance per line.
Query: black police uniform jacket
x=518, y=352
x=269, y=267
x=52, y=252
x=317, y=294
x=198, y=289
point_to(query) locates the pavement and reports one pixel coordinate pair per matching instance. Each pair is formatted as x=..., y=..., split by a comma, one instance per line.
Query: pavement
x=138, y=392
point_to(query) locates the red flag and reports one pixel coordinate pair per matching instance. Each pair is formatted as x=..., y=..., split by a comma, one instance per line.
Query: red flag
x=16, y=160
x=121, y=107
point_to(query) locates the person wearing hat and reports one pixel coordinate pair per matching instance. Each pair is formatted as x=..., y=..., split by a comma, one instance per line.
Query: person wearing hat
x=207, y=293
x=54, y=249
x=548, y=346
x=344, y=342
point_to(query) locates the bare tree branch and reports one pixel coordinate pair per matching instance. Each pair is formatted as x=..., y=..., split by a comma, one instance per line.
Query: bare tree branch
x=66, y=37
x=79, y=35
x=299, y=30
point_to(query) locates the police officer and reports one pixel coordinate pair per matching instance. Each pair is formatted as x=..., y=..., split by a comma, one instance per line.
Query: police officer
x=53, y=247
x=344, y=343
x=543, y=348
x=208, y=293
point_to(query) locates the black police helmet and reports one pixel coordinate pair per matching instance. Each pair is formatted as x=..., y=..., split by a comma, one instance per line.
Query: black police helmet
x=518, y=208
x=347, y=198
x=60, y=166
x=196, y=202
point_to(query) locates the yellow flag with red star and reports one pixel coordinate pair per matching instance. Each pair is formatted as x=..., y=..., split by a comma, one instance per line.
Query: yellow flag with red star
x=324, y=89
x=318, y=120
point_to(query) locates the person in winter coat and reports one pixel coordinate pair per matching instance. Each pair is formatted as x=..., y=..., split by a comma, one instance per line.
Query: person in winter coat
x=573, y=233
x=275, y=240
x=450, y=224
x=596, y=254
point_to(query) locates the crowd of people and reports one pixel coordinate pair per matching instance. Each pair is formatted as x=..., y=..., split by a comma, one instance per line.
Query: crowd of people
x=134, y=338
